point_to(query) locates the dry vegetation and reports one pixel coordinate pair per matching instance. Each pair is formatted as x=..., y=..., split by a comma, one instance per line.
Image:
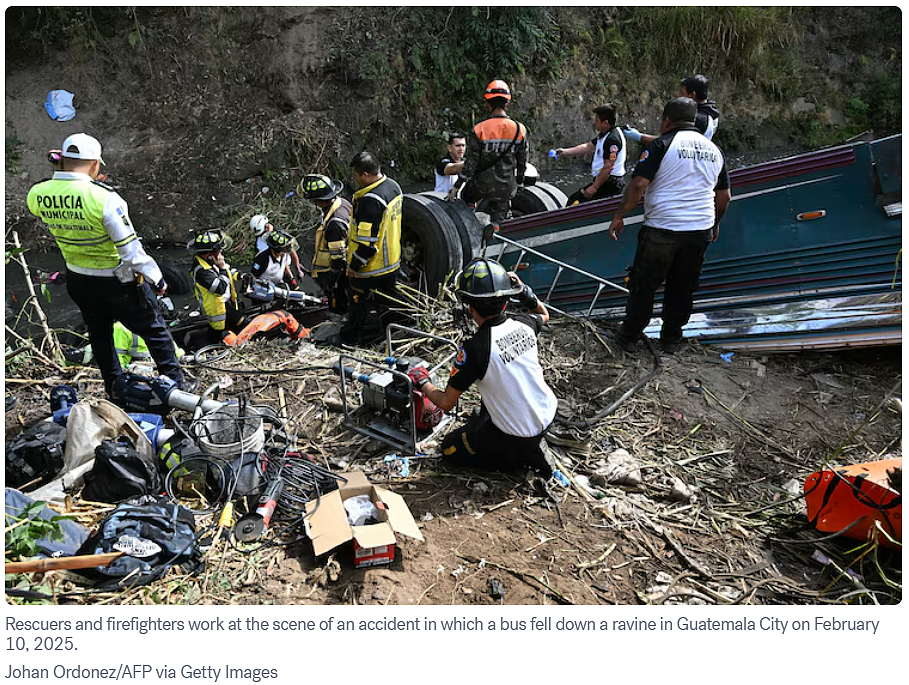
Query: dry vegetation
x=716, y=516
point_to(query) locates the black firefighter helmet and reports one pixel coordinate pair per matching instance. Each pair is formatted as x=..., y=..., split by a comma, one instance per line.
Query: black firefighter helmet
x=486, y=286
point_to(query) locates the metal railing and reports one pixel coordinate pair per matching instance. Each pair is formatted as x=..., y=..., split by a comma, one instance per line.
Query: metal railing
x=602, y=283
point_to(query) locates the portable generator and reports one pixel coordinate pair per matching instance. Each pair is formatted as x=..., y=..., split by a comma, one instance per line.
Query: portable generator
x=391, y=409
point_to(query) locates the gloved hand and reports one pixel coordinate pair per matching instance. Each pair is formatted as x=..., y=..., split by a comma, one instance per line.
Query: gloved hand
x=528, y=298
x=452, y=194
x=292, y=283
x=419, y=375
x=631, y=133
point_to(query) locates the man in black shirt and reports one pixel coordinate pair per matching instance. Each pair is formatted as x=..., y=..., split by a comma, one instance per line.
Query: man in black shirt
x=683, y=180
x=708, y=117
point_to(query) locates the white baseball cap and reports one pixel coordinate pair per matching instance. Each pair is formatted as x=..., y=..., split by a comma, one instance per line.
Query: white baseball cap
x=258, y=223
x=82, y=146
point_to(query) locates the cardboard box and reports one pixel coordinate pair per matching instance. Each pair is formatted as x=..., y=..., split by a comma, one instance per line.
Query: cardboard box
x=328, y=527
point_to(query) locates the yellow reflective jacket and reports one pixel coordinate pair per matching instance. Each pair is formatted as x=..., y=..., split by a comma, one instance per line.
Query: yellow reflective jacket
x=74, y=213
x=131, y=347
x=375, y=230
x=331, y=236
x=213, y=304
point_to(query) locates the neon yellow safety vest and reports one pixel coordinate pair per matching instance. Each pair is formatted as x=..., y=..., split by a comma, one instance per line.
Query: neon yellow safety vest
x=73, y=211
x=213, y=305
x=387, y=258
x=129, y=346
x=325, y=251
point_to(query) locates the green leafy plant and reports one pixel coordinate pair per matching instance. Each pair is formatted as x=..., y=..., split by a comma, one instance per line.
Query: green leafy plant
x=13, y=156
x=23, y=532
x=21, y=542
x=15, y=252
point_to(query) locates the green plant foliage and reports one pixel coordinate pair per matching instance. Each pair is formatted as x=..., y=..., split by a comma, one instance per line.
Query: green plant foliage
x=15, y=252
x=21, y=543
x=13, y=157
x=23, y=532
x=884, y=96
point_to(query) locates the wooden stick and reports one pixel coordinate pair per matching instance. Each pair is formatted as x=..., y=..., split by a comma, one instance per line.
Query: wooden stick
x=40, y=565
x=48, y=335
x=30, y=345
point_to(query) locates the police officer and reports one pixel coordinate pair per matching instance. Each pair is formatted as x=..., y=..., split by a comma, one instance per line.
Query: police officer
x=109, y=275
x=502, y=359
x=608, y=166
x=683, y=180
x=374, y=247
x=273, y=263
x=329, y=261
x=498, y=156
x=132, y=348
x=215, y=285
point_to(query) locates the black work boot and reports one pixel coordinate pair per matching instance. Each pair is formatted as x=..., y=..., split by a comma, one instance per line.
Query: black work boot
x=628, y=344
x=671, y=345
x=671, y=341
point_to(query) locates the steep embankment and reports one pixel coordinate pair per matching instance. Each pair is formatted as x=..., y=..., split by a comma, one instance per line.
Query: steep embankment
x=208, y=114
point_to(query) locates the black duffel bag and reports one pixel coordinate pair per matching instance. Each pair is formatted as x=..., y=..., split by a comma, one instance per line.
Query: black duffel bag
x=35, y=456
x=120, y=473
x=168, y=525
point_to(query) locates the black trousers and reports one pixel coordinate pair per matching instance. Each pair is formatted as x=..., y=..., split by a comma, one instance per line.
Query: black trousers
x=498, y=209
x=614, y=185
x=479, y=444
x=365, y=309
x=673, y=257
x=105, y=300
x=334, y=285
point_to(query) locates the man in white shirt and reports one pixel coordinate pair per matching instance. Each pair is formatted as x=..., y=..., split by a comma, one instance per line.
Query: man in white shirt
x=502, y=359
x=448, y=168
x=608, y=150
x=683, y=180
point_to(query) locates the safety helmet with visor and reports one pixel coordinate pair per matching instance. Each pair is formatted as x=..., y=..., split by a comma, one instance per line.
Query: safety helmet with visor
x=319, y=187
x=211, y=240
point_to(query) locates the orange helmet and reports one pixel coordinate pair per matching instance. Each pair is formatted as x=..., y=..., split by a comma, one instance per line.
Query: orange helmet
x=498, y=89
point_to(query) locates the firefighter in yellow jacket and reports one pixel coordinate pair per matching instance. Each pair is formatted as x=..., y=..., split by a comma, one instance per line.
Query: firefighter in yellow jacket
x=108, y=274
x=374, y=248
x=329, y=262
x=215, y=284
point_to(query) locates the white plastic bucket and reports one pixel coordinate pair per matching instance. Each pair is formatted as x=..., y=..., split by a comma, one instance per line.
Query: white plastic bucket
x=221, y=433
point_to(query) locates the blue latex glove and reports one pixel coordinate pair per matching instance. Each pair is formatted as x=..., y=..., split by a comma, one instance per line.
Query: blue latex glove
x=631, y=133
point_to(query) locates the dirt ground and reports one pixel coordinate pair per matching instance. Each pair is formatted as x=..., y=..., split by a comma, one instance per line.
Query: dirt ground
x=722, y=448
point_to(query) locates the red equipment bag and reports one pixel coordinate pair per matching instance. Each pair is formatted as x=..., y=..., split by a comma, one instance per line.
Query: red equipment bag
x=854, y=497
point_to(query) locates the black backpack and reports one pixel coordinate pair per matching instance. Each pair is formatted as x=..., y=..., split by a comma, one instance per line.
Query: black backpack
x=120, y=473
x=35, y=456
x=168, y=525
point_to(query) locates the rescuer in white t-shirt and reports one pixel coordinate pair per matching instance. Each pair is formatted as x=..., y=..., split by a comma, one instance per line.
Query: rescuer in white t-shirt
x=502, y=359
